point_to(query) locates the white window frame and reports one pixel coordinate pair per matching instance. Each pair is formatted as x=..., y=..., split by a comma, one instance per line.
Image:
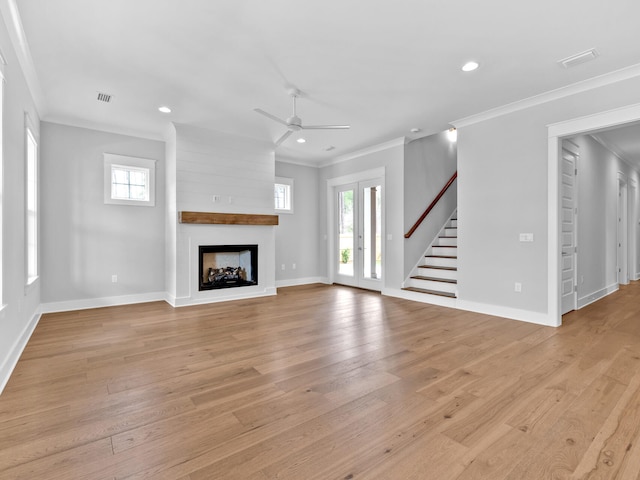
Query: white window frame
x=134, y=163
x=31, y=182
x=287, y=182
x=2, y=85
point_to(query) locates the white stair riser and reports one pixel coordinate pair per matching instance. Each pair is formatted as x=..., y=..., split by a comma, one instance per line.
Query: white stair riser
x=454, y=223
x=448, y=251
x=438, y=273
x=451, y=232
x=442, y=241
x=441, y=262
x=432, y=285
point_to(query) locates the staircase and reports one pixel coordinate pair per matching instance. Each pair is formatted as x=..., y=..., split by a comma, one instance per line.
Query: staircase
x=437, y=274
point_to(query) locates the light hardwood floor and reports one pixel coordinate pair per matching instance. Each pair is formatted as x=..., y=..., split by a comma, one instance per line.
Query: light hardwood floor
x=324, y=383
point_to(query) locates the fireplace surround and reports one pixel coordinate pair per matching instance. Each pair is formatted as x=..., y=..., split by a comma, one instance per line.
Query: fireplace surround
x=227, y=266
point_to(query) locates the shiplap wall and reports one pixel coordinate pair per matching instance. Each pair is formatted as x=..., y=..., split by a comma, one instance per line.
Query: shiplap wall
x=214, y=163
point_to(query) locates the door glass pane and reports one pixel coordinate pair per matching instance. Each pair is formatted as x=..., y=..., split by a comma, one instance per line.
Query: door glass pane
x=372, y=227
x=345, y=233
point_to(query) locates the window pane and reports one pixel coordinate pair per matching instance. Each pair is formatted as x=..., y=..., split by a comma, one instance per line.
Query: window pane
x=129, y=183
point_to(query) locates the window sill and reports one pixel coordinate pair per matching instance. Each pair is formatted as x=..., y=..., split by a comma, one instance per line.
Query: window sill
x=31, y=283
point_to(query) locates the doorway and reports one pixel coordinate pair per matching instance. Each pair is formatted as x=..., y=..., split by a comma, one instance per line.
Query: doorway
x=356, y=229
x=556, y=132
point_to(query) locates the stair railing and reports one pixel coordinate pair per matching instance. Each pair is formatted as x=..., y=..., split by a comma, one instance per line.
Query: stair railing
x=431, y=205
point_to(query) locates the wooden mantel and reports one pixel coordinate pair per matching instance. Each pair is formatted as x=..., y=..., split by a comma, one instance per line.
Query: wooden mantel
x=211, y=218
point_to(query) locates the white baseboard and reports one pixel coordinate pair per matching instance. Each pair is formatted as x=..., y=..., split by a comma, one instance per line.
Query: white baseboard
x=421, y=297
x=101, y=302
x=11, y=360
x=189, y=301
x=486, y=309
x=595, y=296
x=300, y=281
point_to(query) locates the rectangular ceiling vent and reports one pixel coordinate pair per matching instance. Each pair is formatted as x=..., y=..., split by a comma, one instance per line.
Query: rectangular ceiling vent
x=579, y=58
x=104, y=97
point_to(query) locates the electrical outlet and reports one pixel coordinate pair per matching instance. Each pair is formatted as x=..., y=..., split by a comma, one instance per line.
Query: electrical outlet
x=114, y=278
x=518, y=287
x=216, y=198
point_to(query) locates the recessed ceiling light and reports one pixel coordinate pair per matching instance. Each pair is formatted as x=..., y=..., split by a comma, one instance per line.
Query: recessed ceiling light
x=470, y=66
x=415, y=130
x=301, y=140
x=164, y=109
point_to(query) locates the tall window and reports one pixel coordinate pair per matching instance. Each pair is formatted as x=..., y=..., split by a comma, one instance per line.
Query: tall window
x=129, y=180
x=2, y=63
x=32, y=203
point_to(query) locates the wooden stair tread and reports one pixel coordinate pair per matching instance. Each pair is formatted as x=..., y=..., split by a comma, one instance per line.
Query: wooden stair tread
x=435, y=279
x=440, y=256
x=453, y=269
x=430, y=292
x=436, y=267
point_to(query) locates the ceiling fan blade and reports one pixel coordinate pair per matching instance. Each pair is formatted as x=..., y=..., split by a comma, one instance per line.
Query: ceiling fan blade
x=325, y=127
x=272, y=117
x=283, y=137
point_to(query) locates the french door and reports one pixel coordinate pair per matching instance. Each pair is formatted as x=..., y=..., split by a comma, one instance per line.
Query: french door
x=358, y=234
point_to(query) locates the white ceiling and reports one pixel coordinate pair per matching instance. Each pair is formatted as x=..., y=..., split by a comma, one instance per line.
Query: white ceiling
x=384, y=67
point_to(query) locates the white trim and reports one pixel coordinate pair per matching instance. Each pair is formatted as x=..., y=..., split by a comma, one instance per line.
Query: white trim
x=507, y=312
x=189, y=301
x=11, y=360
x=612, y=149
x=287, y=182
x=595, y=121
x=11, y=15
x=107, y=128
x=476, y=307
x=595, y=296
x=300, y=281
x=85, y=304
x=298, y=161
x=396, y=142
x=566, y=91
x=126, y=162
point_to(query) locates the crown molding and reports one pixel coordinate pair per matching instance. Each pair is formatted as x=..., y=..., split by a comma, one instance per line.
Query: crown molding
x=11, y=14
x=105, y=128
x=615, y=151
x=396, y=142
x=297, y=161
x=573, y=89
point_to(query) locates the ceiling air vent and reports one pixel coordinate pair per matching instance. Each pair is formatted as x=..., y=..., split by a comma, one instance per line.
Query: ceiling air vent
x=104, y=97
x=579, y=58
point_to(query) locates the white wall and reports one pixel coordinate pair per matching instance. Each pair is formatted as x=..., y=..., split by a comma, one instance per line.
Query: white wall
x=392, y=160
x=297, y=235
x=18, y=304
x=597, y=201
x=240, y=171
x=85, y=241
x=429, y=163
x=503, y=191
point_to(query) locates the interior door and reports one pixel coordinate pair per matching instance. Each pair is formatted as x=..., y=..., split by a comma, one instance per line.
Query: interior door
x=358, y=242
x=568, y=232
x=623, y=274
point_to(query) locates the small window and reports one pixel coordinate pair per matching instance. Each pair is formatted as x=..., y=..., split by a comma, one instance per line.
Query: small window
x=129, y=180
x=283, y=195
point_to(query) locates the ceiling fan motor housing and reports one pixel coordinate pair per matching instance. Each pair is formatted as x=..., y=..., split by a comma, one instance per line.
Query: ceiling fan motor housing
x=295, y=123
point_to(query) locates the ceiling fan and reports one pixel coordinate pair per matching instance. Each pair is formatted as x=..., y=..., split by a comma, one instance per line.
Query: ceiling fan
x=294, y=122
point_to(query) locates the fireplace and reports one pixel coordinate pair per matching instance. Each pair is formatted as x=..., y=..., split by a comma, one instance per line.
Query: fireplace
x=228, y=266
